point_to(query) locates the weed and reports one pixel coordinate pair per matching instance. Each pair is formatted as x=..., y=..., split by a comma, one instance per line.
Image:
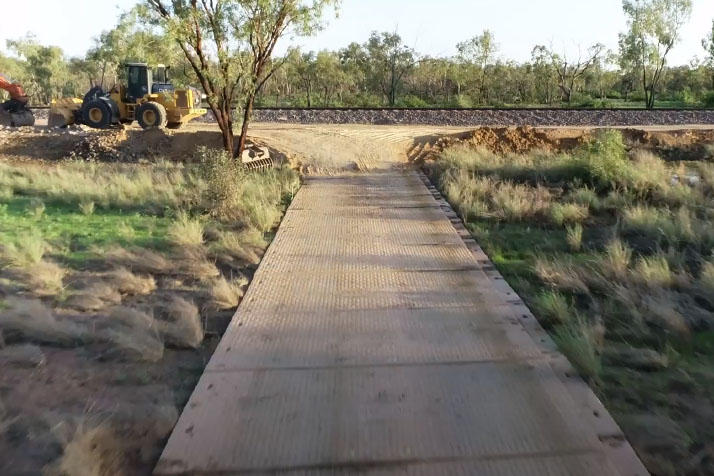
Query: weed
x=585, y=197
x=141, y=260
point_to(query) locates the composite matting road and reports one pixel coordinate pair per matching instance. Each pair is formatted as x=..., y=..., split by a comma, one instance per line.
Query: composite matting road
x=371, y=342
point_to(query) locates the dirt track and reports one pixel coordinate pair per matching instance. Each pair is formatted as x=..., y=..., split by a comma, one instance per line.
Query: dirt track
x=329, y=148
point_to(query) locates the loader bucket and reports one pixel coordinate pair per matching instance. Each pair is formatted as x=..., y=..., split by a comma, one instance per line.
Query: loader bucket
x=63, y=112
x=17, y=119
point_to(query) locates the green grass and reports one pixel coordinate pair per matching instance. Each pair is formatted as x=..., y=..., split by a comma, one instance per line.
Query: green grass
x=73, y=235
x=621, y=258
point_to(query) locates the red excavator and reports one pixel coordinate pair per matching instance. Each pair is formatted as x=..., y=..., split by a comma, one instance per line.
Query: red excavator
x=14, y=112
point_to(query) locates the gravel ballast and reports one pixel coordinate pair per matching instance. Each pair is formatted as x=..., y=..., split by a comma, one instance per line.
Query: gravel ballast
x=485, y=117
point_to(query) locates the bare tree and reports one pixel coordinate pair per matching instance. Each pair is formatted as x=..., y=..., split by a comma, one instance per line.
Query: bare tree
x=569, y=72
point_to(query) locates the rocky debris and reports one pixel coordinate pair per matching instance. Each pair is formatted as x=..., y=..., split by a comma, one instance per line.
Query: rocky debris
x=486, y=117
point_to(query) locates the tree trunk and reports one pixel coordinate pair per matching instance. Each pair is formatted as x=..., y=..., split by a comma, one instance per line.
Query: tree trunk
x=247, y=114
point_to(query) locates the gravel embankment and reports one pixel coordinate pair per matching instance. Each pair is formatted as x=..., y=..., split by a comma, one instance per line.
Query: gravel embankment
x=532, y=117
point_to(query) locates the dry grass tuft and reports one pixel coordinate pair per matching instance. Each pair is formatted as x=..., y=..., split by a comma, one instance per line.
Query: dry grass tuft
x=654, y=272
x=560, y=274
x=91, y=451
x=234, y=246
x=186, y=231
x=706, y=277
x=133, y=335
x=95, y=297
x=129, y=283
x=31, y=320
x=27, y=355
x=616, y=261
x=28, y=249
x=43, y=278
x=183, y=327
x=226, y=295
x=141, y=260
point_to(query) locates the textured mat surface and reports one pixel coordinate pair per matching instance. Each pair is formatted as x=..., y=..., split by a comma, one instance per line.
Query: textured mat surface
x=370, y=342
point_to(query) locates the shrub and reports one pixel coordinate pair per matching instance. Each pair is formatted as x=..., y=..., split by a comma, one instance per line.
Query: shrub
x=604, y=160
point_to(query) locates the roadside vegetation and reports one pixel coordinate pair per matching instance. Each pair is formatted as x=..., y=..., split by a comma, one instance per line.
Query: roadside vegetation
x=612, y=248
x=111, y=278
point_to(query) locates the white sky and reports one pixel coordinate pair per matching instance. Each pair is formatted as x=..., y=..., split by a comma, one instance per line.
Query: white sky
x=431, y=26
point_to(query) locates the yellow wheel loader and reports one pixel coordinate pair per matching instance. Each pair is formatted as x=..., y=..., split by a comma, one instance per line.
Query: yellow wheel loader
x=153, y=104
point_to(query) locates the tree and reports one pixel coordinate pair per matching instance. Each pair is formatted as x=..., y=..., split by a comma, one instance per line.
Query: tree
x=543, y=74
x=708, y=45
x=569, y=72
x=654, y=29
x=389, y=61
x=45, y=74
x=479, y=52
x=229, y=45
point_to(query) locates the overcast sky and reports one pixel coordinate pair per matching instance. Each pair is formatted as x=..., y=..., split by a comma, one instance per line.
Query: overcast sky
x=430, y=26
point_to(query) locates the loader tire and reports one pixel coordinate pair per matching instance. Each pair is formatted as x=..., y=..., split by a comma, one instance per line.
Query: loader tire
x=97, y=114
x=151, y=115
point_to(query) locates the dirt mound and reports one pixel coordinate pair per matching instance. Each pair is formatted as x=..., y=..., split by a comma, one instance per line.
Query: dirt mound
x=123, y=145
x=677, y=144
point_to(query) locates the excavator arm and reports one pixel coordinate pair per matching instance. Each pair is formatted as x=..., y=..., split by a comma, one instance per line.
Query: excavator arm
x=15, y=90
x=14, y=113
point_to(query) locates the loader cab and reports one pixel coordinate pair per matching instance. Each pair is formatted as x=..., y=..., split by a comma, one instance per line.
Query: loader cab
x=139, y=81
x=161, y=80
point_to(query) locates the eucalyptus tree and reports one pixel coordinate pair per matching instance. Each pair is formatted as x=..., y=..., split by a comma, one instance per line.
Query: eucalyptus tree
x=654, y=28
x=230, y=44
x=479, y=52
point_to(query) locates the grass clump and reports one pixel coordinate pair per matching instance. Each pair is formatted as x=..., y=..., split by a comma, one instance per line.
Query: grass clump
x=31, y=320
x=574, y=237
x=86, y=207
x=568, y=213
x=92, y=450
x=182, y=326
x=186, y=231
x=553, y=306
x=578, y=341
x=26, y=250
x=225, y=294
x=133, y=335
x=653, y=271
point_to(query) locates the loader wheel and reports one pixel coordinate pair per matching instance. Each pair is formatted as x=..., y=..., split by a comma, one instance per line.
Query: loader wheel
x=97, y=114
x=151, y=115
